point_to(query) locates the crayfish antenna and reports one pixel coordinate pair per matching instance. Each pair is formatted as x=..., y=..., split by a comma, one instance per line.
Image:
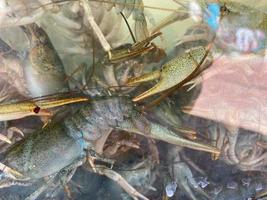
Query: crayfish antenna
x=9, y=171
x=5, y=139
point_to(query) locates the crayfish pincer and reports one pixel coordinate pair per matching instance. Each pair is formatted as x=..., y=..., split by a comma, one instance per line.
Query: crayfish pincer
x=55, y=152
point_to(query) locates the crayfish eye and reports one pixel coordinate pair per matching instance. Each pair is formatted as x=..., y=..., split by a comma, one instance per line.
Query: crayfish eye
x=36, y=109
x=224, y=10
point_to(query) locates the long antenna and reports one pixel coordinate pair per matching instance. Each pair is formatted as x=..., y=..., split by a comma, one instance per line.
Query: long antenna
x=129, y=28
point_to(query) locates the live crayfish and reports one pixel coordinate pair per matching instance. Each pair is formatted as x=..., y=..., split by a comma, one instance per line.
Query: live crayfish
x=43, y=69
x=42, y=65
x=30, y=167
x=31, y=158
x=188, y=64
x=175, y=72
x=68, y=15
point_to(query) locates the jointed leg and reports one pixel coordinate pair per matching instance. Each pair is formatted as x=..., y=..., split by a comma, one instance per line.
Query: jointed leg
x=62, y=178
x=121, y=181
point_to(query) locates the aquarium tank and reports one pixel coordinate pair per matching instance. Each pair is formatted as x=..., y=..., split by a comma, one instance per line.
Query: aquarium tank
x=133, y=99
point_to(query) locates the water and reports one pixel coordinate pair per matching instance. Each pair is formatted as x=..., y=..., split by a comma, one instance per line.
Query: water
x=226, y=108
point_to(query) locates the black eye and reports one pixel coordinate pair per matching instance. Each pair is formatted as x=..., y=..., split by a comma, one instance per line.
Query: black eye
x=36, y=109
x=224, y=9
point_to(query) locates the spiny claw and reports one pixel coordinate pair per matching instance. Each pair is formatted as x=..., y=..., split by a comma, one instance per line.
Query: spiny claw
x=162, y=133
x=174, y=73
x=162, y=85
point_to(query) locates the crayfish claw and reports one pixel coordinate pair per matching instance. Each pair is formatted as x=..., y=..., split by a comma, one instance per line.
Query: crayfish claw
x=162, y=85
x=162, y=133
x=159, y=132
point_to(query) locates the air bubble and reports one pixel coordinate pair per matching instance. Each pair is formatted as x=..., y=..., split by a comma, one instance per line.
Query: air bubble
x=202, y=181
x=170, y=189
x=259, y=187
